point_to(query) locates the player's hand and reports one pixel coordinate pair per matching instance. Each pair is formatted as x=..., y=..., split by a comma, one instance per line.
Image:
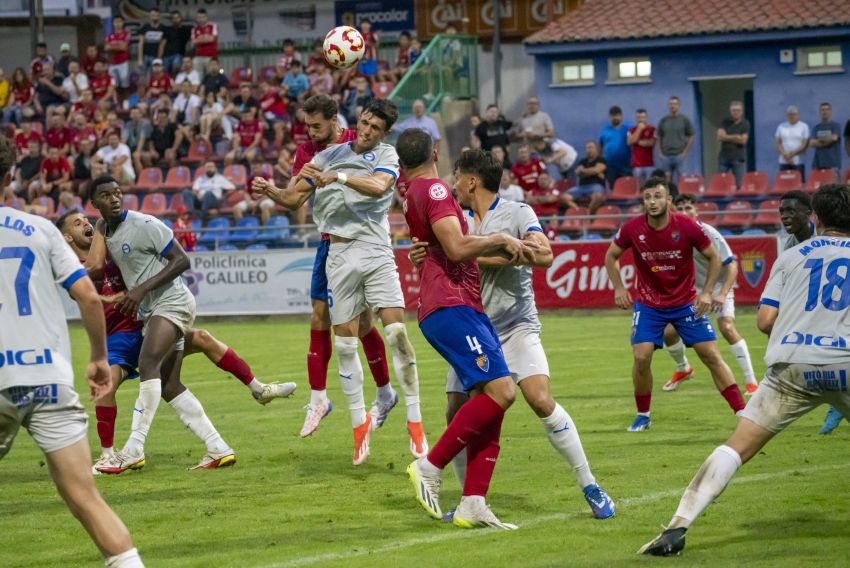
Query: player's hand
x=622, y=298
x=514, y=248
x=98, y=377
x=324, y=178
x=100, y=226
x=703, y=304
x=129, y=304
x=309, y=171
x=530, y=249
x=418, y=252
x=717, y=302
x=262, y=186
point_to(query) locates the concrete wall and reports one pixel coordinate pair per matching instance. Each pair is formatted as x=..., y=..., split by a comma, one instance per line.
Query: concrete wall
x=517, y=79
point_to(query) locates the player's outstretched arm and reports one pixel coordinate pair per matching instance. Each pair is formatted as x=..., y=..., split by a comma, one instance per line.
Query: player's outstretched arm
x=178, y=262
x=459, y=247
x=293, y=196
x=612, y=264
x=542, y=257
x=91, y=312
x=704, y=300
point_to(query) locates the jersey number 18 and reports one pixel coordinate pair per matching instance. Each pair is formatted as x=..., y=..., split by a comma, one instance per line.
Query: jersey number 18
x=834, y=281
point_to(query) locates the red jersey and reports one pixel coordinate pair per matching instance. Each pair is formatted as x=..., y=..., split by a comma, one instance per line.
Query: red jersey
x=545, y=209
x=110, y=283
x=184, y=235
x=22, y=141
x=58, y=137
x=298, y=133
x=100, y=85
x=403, y=57
x=664, y=259
x=86, y=133
x=307, y=150
x=526, y=174
x=163, y=83
x=247, y=131
x=642, y=155
x=443, y=283
x=206, y=49
x=271, y=102
x=87, y=64
x=123, y=56
x=22, y=95
x=86, y=109
x=370, y=41
x=55, y=170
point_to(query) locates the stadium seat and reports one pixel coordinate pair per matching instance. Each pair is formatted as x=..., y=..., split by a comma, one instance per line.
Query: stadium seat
x=606, y=224
x=276, y=229
x=237, y=175
x=635, y=210
x=721, y=185
x=267, y=73
x=625, y=188
x=246, y=229
x=754, y=233
x=154, y=204
x=765, y=218
x=754, y=184
x=131, y=201
x=574, y=226
x=199, y=151
x=593, y=237
x=398, y=225
x=241, y=75
x=218, y=230
x=737, y=214
x=692, y=184
x=820, y=177
x=230, y=201
x=201, y=248
x=787, y=180
x=150, y=179
x=174, y=203
x=227, y=248
x=708, y=211
x=565, y=184
x=257, y=246
x=178, y=179
x=846, y=178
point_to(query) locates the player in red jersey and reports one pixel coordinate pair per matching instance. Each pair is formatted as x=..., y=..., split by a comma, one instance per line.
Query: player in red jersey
x=663, y=243
x=124, y=333
x=452, y=319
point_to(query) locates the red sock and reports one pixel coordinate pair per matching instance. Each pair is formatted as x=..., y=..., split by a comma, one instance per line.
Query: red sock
x=376, y=355
x=482, y=453
x=106, y=424
x=642, y=401
x=732, y=394
x=236, y=366
x=318, y=358
x=471, y=421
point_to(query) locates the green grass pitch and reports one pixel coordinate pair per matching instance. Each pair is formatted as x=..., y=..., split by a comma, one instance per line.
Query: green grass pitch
x=294, y=502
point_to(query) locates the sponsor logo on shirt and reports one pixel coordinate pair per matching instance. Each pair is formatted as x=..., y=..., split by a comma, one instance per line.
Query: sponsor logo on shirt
x=826, y=379
x=800, y=338
x=661, y=254
x=663, y=268
x=25, y=358
x=438, y=191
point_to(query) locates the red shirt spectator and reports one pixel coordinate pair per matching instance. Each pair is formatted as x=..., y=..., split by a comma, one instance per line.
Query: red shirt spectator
x=23, y=93
x=87, y=132
x=298, y=132
x=55, y=170
x=370, y=40
x=271, y=102
x=545, y=209
x=88, y=61
x=41, y=57
x=86, y=108
x=205, y=28
x=526, y=170
x=23, y=139
x=247, y=131
x=99, y=85
x=117, y=57
x=58, y=137
x=642, y=155
x=159, y=84
x=183, y=229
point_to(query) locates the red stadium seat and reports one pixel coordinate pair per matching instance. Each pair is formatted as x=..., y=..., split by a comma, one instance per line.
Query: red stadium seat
x=846, y=178
x=90, y=211
x=737, y=214
x=767, y=219
x=237, y=175
x=565, y=184
x=625, y=188
x=199, y=151
x=131, y=201
x=721, y=185
x=178, y=178
x=787, y=180
x=754, y=184
x=150, y=179
x=230, y=201
x=571, y=225
x=708, y=211
x=267, y=73
x=398, y=225
x=154, y=204
x=241, y=75
x=175, y=203
x=606, y=224
x=821, y=177
x=635, y=210
x=692, y=184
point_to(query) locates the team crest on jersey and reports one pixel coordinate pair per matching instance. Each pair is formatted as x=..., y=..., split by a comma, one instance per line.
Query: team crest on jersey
x=369, y=156
x=438, y=191
x=125, y=248
x=752, y=265
x=483, y=362
x=641, y=238
x=675, y=236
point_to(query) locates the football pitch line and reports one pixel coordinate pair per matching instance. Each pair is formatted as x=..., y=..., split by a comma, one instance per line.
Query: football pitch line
x=468, y=534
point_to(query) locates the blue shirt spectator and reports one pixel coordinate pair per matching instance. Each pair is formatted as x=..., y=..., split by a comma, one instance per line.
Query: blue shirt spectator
x=296, y=82
x=420, y=121
x=615, y=146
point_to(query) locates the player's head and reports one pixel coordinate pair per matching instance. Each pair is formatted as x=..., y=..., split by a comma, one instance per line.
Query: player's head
x=687, y=204
x=76, y=229
x=795, y=208
x=832, y=208
x=106, y=197
x=656, y=197
x=375, y=123
x=7, y=160
x=476, y=170
x=415, y=148
x=320, y=117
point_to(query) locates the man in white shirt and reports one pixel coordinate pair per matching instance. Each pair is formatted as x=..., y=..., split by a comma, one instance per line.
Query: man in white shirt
x=534, y=123
x=118, y=158
x=186, y=110
x=420, y=121
x=509, y=191
x=208, y=191
x=75, y=83
x=792, y=139
x=188, y=74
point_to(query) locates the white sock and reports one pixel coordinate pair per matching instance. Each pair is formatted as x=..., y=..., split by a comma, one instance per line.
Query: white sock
x=318, y=397
x=127, y=559
x=677, y=352
x=107, y=451
x=256, y=386
x=150, y=392
x=459, y=465
x=351, y=377
x=709, y=482
x=742, y=356
x=404, y=363
x=563, y=435
x=385, y=393
x=190, y=411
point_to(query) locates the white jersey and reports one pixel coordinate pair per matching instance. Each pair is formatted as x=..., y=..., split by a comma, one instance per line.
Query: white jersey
x=344, y=212
x=34, y=344
x=810, y=285
x=138, y=248
x=701, y=263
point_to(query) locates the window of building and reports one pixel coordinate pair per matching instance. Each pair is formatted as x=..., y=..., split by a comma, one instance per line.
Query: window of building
x=819, y=59
x=573, y=73
x=632, y=70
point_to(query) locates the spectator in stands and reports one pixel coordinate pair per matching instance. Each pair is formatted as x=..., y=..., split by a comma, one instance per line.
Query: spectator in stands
x=21, y=103
x=215, y=81
x=212, y=116
x=733, y=135
x=159, y=82
x=295, y=82
x=25, y=136
x=65, y=59
x=81, y=130
x=384, y=85
x=527, y=169
x=356, y=99
x=54, y=177
x=502, y=156
x=247, y=140
x=614, y=144
x=826, y=140
x=792, y=139
x=419, y=120
x=290, y=55
x=183, y=229
x=321, y=80
x=494, y=129
x=117, y=158
x=101, y=84
x=135, y=132
x=82, y=177
x=85, y=106
x=151, y=40
x=509, y=190
x=75, y=82
x=255, y=203
x=26, y=171
x=402, y=61
x=177, y=37
x=415, y=51
x=91, y=56
x=165, y=143
x=534, y=123
x=675, y=138
x=58, y=135
x=188, y=73
x=273, y=111
x=205, y=40
x=41, y=57
x=48, y=90
x=591, y=178
x=368, y=66
x=243, y=102
x=557, y=153
x=659, y=173
x=316, y=59
x=186, y=110
x=544, y=197
x=118, y=48
x=207, y=192
x=642, y=141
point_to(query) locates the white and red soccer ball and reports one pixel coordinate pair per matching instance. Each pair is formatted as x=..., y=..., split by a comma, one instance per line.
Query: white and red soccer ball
x=344, y=47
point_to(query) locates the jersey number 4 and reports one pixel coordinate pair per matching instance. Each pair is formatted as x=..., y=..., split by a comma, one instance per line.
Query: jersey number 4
x=473, y=344
x=834, y=281
x=22, y=280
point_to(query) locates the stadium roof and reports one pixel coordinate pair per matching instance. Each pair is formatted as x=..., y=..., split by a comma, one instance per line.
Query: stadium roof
x=599, y=20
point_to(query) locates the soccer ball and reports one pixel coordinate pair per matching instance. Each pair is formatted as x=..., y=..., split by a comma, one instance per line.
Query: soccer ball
x=344, y=47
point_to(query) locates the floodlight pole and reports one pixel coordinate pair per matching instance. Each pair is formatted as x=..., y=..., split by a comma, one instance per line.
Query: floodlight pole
x=497, y=51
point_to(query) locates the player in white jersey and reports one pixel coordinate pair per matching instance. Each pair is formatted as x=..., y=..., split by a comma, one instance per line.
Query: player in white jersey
x=508, y=299
x=354, y=183
x=685, y=203
x=36, y=378
x=151, y=262
x=805, y=308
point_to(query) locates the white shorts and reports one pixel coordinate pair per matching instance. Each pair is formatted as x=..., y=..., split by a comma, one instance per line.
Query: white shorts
x=265, y=202
x=728, y=309
x=121, y=74
x=51, y=413
x=789, y=391
x=524, y=356
x=181, y=315
x=361, y=275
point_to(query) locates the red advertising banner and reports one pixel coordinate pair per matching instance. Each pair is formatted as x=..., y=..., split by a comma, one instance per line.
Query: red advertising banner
x=577, y=278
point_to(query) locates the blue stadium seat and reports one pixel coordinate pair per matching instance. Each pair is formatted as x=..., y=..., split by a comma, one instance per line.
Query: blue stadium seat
x=727, y=233
x=228, y=248
x=201, y=248
x=593, y=237
x=168, y=222
x=246, y=229
x=217, y=231
x=257, y=246
x=754, y=232
x=277, y=229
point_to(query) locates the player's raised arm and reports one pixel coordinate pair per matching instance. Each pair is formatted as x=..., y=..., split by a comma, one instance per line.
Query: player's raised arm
x=612, y=264
x=96, y=257
x=704, y=301
x=375, y=185
x=178, y=262
x=459, y=247
x=293, y=196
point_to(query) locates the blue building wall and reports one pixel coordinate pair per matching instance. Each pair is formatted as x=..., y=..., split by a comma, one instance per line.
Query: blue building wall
x=580, y=112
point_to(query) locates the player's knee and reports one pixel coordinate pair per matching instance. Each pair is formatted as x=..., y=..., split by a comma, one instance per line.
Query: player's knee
x=201, y=339
x=710, y=356
x=320, y=317
x=642, y=359
x=149, y=366
x=503, y=391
